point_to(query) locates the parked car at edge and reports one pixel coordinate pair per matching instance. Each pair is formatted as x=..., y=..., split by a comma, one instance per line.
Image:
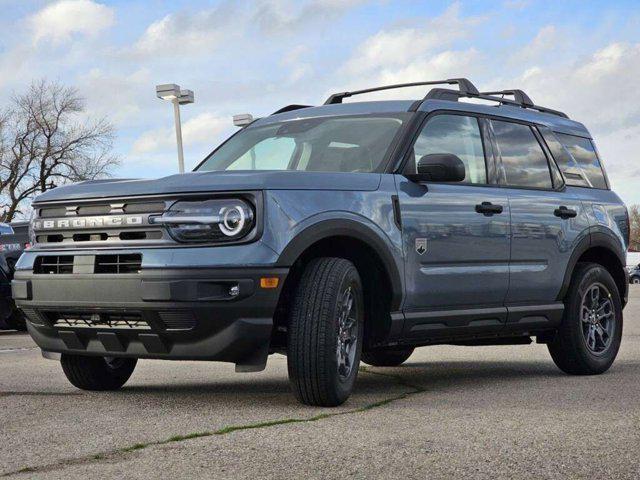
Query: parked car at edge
x=335, y=234
x=634, y=274
x=14, y=238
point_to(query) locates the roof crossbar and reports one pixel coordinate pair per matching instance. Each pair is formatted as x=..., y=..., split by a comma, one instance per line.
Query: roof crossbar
x=518, y=96
x=466, y=88
x=521, y=99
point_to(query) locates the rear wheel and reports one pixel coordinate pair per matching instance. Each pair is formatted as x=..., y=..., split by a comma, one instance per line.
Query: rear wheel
x=589, y=338
x=97, y=373
x=635, y=280
x=387, y=357
x=325, y=332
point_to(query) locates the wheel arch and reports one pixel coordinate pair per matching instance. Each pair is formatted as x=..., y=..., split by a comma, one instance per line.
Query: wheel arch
x=604, y=249
x=372, y=254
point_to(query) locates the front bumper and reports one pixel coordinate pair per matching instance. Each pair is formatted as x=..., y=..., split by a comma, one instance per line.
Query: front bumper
x=180, y=314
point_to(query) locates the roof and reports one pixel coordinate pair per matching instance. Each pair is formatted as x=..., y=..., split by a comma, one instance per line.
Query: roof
x=521, y=107
x=554, y=122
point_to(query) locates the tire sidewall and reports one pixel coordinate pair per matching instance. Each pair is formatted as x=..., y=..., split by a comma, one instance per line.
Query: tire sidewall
x=343, y=387
x=591, y=275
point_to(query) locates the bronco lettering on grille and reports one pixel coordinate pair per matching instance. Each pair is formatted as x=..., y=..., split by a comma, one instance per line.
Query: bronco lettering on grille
x=88, y=222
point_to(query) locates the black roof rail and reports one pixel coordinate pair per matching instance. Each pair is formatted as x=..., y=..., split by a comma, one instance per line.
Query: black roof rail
x=521, y=99
x=466, y=88
x=289, y=108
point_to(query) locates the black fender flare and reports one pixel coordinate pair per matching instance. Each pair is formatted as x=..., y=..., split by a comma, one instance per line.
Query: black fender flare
x=596, y=238
x=354, y=228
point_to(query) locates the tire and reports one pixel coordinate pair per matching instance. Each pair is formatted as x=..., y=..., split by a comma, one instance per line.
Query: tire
x=97, y=373
x=16, y=321
x=387, y=358
x=317, y=375
x=635, y=280
x=571, y=348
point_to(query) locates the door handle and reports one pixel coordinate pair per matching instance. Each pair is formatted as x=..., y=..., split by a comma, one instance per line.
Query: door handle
x=564, y=212
x=488, y=208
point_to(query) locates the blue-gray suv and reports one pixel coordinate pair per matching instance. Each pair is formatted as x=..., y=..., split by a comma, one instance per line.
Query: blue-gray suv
x=335, y=234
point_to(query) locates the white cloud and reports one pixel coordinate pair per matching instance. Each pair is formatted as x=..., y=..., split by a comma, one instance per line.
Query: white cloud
x=181, y=35
x=59, y=21
x=204, y=128
x=594, y=90
x=198, y=33
x=294, y=60
x=285, y=16
x=400, y=47
x=547, y=39
x=412, y=54
x=121, y=97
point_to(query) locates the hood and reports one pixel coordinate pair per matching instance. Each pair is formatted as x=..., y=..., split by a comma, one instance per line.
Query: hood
x=226, y=181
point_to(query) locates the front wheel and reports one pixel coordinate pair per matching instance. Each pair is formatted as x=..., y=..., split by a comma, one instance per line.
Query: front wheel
x=635, y=280
x=589, y=337
x=16, y=321
x=325, y=332
x=97, y=373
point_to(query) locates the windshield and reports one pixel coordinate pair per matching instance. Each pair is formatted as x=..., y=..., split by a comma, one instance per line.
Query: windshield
x=327, y=144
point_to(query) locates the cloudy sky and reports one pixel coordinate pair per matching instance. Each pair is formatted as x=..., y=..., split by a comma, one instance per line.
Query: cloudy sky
x=256, y=56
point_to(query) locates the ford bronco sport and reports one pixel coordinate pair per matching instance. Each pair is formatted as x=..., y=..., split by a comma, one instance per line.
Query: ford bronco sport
x=335, y=234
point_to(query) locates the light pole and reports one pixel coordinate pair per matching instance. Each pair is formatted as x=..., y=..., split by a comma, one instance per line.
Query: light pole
x=171, y=91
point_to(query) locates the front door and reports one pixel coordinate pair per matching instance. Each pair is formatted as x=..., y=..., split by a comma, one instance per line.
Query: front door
x=456, y=236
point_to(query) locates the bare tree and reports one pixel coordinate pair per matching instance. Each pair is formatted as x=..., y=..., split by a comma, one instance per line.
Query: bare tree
x=634, y=220
x=46, y=140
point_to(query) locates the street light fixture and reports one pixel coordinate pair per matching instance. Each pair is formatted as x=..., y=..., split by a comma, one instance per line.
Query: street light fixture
x=172, y=92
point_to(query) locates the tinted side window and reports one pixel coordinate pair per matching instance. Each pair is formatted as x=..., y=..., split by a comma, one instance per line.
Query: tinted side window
x=569, y=167
x=582, y=150
x=458, y=135
x=524, y=161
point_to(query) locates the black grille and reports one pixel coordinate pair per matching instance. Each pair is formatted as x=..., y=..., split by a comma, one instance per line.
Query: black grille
x=33, y=316
x=149, y=207
x=111, y=320
x=54, y=265
x=177, y=320
x=94, y=210
x=53, y=212
x=120, y=263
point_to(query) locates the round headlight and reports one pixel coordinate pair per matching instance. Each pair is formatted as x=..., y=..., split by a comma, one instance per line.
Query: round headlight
x=203, y=221
x=232, y=220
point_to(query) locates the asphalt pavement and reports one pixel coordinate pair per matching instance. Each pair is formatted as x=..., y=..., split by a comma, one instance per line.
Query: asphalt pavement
x=449, y=412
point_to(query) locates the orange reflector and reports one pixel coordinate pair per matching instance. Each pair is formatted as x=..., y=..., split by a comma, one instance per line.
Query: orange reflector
x=269, y=282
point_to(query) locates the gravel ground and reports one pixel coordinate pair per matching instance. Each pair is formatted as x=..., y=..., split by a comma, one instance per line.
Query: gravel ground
x=449, y=412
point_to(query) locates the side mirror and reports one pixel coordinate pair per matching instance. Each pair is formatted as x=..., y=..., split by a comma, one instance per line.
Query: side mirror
x=439, y=167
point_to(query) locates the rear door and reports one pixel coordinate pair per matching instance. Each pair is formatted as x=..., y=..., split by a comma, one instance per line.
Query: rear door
x=546, y=220
x=455, y=235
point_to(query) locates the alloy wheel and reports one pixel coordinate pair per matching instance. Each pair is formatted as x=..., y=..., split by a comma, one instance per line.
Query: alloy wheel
x=347, y=334
x=598, y=318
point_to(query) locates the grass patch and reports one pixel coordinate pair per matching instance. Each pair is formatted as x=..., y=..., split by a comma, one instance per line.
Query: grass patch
x=235, y=428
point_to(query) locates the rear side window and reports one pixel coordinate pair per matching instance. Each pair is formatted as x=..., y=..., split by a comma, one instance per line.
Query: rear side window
x=523, y=160
x=584, y=154
x=5, y=229
x=458, y=135
x=570, y=170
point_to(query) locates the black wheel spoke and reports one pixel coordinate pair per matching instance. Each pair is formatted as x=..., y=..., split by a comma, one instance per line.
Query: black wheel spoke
x=598, y=318
x=347, y=333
